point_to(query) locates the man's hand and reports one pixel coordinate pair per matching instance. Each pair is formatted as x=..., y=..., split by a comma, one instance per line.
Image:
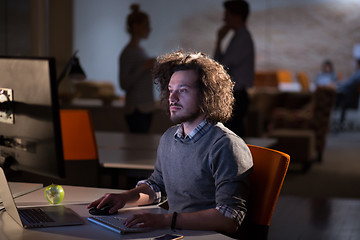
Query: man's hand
x=116, y=201
x=222, y=32
x=141, y=195
x=149, y=220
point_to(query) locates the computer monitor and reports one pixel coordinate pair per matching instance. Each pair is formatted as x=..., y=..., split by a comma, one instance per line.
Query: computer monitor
x=30, y=133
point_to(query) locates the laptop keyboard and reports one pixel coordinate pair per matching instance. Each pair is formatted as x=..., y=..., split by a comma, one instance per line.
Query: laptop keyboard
x=35, y=215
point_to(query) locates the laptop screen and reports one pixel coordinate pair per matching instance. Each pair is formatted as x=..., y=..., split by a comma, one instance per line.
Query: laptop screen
x=8, y=199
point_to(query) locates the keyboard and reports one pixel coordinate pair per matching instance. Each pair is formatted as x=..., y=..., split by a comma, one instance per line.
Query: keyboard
x=35, y=215
x=115, y=224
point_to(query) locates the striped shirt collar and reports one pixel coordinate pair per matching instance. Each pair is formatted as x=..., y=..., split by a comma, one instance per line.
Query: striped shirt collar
x=195, y=134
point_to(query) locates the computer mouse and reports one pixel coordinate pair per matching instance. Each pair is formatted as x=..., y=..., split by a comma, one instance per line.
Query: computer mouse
x=101, y=211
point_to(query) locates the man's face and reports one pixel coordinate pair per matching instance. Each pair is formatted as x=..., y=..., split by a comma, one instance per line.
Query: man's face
x=184, y=97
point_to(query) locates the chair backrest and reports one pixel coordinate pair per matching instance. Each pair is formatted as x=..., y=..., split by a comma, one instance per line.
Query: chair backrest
x=284, y=76
x=270, y=167
x=265, y=79
x=304, y=81
x=78, y=137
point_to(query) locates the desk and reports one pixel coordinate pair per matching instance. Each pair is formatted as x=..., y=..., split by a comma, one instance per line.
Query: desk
x=126, y=150
x=76, y=199
x=126, y=154
x=134, y=155
x=18, y=189
x=117, y=140
x=138, y=151
x=112, y=116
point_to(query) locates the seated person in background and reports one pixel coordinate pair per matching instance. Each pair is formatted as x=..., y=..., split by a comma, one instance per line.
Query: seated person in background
x=352, y=83
x=202, y=167
x=327, y=75
x=348, y=91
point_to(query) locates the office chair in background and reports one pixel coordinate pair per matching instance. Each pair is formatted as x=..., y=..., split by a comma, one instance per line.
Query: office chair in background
x=79, y=148
x=304, y=81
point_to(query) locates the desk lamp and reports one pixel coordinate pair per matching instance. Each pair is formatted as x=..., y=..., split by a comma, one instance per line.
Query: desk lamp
x=75, y=73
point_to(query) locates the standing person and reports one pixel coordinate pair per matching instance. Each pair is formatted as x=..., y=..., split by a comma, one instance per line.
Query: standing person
x=238, y=58
x=202, y=167
x=135, y=74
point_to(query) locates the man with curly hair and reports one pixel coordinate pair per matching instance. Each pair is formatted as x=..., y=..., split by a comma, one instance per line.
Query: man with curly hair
x=202, y=167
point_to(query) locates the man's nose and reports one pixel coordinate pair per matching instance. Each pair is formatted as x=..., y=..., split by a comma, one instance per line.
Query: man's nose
x=173, y=97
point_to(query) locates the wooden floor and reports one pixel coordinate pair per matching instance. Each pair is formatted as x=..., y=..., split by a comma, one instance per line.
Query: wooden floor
x=325, y=202
x=303, y=218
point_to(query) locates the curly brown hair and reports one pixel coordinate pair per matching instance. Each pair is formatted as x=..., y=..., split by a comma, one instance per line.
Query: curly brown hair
x=215, y=85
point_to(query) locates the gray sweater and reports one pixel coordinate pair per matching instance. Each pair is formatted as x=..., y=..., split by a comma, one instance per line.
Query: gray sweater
x=205, y=172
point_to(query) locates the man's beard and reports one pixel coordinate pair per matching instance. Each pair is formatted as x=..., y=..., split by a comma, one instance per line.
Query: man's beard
x=184, y=118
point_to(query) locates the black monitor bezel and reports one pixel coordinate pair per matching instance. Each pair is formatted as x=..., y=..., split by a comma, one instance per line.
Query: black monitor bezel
x=55, y=106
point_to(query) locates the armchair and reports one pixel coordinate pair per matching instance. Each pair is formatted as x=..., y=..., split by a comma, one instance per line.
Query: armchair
x=314, y=116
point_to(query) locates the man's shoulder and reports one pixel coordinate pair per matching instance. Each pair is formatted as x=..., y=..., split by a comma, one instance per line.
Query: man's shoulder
x=222, y=129
x=233, y=146
x=170, y=132
x=220, y=132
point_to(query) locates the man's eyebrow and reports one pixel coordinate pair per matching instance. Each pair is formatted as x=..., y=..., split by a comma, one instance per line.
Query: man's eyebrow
x=182, y=85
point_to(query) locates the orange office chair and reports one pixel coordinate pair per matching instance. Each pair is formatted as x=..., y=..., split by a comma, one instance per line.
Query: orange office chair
x=284, y=76
x=79, y=148
x=266, y=180
x=304, y=81
x=264, y=79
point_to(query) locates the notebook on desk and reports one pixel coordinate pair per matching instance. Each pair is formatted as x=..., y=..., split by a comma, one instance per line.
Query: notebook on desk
x=35, y=217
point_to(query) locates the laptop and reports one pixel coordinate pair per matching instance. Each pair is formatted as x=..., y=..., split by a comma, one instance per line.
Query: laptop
x=36, y=217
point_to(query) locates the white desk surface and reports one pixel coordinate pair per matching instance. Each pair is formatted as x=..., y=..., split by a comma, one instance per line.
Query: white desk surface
x=127, y=159
x=18, y=188
x=118, y=140
x=76, y=199
x=262, y=142
x=138, y=151
x=126, y=150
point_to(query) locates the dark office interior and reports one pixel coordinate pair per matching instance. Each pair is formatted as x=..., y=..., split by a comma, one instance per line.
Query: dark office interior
x=320, y=197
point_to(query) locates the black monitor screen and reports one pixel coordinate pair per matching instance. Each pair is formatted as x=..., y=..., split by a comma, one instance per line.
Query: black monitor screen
x=30, y=133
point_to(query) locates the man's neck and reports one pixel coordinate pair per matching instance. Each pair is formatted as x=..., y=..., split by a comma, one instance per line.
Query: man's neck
x=189, y=126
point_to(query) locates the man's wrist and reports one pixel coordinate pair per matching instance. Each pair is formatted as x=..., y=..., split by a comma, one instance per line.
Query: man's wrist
x=167, y=220
x=173, y=221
